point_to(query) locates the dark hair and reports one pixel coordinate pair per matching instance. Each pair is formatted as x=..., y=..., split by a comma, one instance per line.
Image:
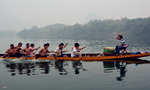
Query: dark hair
x=76, y=44
x=19, y=43
x=32, y=45
x=121, y=36
x=11, y=44
x=45, y=45
x=61, y=44
x=27, y=44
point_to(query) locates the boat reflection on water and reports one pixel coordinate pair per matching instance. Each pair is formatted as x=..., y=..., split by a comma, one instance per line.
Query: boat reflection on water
x=28, y=68
x=44, y=67
x=121, y=65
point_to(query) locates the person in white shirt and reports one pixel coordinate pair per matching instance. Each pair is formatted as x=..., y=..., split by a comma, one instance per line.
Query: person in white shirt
x=75, y=50
x=60, y=50
x=123, y=44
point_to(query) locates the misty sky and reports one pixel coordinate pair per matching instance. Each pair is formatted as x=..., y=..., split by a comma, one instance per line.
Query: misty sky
x=20, y=14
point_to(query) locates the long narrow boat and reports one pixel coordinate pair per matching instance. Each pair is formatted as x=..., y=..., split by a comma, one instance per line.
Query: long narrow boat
x=89, y=58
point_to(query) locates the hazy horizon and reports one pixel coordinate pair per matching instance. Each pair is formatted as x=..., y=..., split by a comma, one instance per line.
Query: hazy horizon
x=20, y=14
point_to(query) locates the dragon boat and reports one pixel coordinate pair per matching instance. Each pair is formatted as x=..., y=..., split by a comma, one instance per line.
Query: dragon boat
x=88, y=57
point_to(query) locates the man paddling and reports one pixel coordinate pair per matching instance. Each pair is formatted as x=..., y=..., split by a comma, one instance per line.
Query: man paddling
x=10, y=52
x=33, y=49
x=18, y=49
x=44, y=52
x=75, y=50
x=26, y=51
x=60, y=50
x=123, y=44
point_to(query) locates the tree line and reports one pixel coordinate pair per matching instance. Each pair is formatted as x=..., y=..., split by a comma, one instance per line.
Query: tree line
x=138, y=29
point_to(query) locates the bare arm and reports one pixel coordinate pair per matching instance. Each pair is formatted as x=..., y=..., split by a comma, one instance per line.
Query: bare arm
x=65, y=45
x=8, y=51
x=117, y=36
x=76, y=53
x=35, y=48
x=22, y=51
x=82, y=48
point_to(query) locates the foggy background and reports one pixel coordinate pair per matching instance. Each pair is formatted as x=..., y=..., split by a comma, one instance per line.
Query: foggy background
x=20, y=14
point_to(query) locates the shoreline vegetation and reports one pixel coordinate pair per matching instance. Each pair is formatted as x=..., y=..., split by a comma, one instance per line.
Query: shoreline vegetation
x=135, y=29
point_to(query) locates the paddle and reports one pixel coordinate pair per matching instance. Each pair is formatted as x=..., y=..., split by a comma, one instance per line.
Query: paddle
x=57, y=55
x=36, y=50
x=82, y=52
x=122, y=33
x=6, y=55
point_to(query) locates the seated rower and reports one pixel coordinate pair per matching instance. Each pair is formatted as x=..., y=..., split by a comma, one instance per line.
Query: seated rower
x=60, y=50
x=10, y=52
x=32, y=49
x=26, y=51
x=75, y=50
x=43, y=52
x=17, y=50
x=123, y=44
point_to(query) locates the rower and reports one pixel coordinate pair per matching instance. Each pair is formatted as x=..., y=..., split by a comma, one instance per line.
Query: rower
x=75, y=50
x=18, y=49
x=10, y=52
x=123, y=44
x=32, y=49
x=43, y=52
x=26, y=51
x=60, y=50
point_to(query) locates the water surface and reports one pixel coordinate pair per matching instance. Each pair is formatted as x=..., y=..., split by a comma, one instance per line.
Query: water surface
x=74, y=75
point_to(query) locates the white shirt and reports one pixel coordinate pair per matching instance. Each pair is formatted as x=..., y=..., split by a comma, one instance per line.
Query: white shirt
x=123, y=42
x=57, y=49
x=72, y=53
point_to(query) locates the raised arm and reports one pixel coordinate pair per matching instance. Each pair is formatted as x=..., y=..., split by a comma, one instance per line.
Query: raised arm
x=65, y=45
x=82, y=48
x=35, y=48
x=118, y=36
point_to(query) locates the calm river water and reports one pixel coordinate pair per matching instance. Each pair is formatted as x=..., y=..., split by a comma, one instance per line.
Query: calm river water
x=80, y=75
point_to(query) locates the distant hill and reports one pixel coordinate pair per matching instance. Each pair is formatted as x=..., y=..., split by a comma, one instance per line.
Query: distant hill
x=92, y=16
x=135, y=29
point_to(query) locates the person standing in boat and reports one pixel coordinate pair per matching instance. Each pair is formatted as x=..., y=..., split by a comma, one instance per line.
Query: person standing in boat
x=10, y=52
x=60, y=50
x=32, y=49
x=75, y=50
x=123, y=44
x=43, y=52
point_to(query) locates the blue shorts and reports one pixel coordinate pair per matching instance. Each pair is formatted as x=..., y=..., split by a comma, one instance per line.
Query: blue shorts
x=76, y=56
x=27, y=56
x=62, y=55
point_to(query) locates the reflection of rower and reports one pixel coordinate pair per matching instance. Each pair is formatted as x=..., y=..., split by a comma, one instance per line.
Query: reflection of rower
x=45, y=67
x=77, y=65
x=59, y=65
